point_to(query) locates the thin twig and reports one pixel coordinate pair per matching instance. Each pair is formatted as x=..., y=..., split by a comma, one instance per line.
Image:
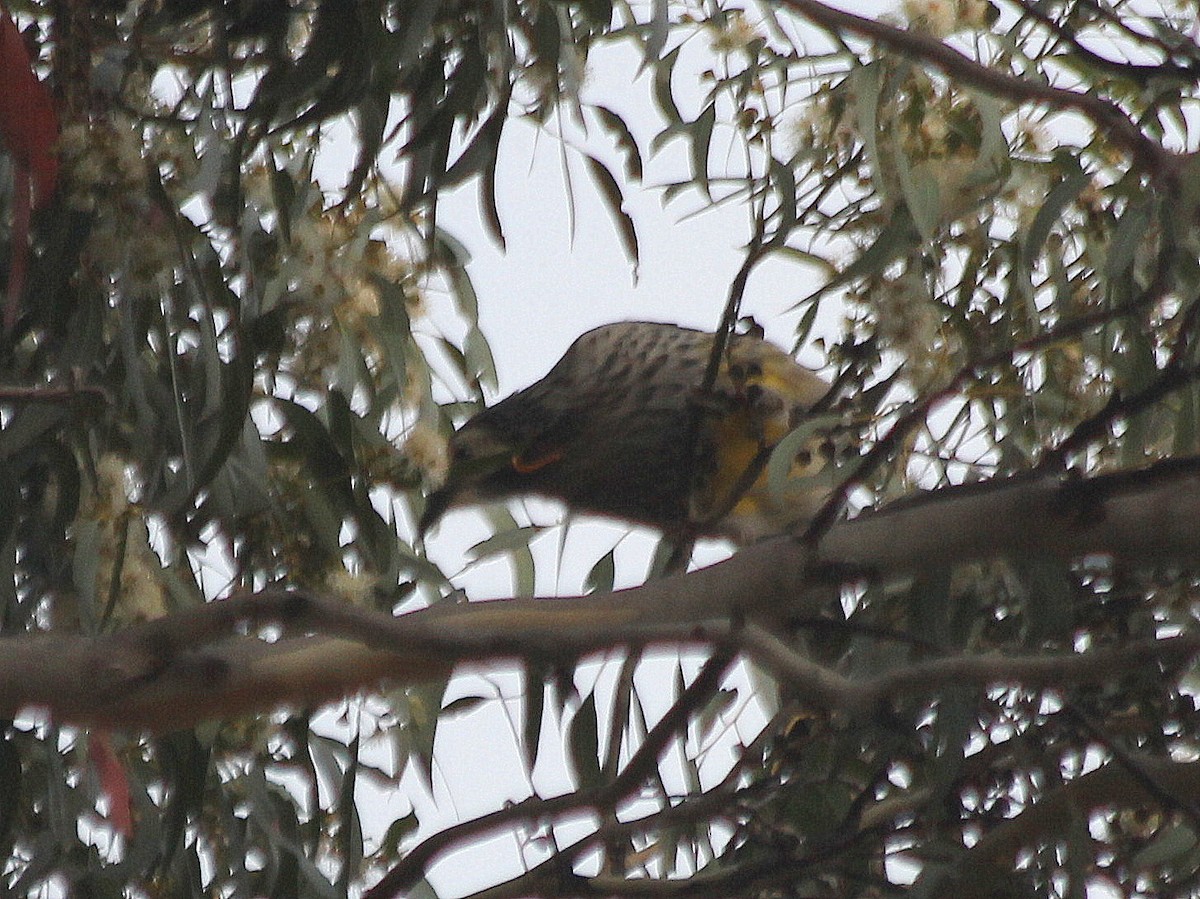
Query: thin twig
x=920, y=409
x=1167, y=798
x=681, y=549
x=640, y=765
x=1134, y=71
x=32, y=395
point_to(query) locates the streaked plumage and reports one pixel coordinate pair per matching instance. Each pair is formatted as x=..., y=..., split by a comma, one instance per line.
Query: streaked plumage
x=606, y=431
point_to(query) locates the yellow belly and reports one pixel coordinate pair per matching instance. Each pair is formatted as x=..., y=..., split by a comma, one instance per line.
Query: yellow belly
x=735, y=499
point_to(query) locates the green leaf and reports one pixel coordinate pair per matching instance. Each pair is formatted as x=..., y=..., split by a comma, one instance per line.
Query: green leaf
x=656, y=36
x=664, y=549
x=399, y=830
x=783, y=183
x=350, y=838
x=1075, y=179
x=710, y=715
x=922, y=195
x=487, y=202
x=866, y=84
x=9, y=505
x=992, y=163
x=371, y=118
x=610, y=190
x=419, y=567
x=394, y=331
x=10, y=786
x=85, y=568
x=505, y=541
x=807, y=320
x=547, y=35
x=1049, y=599
x=532, y=711
x=1187, y=424
x=700, y=133
x=897, y=238
x=826, y=269
x=615, y=126
x=600, y=579
x=1130, y=232
x=422, y=889
x=783, y=456
x=481, y=152
x=478, y=356
x=1168, y=846
x=422, y=704
x=417, y=18
x=816, y=809
x=463, y=705
x=663, y=96
x=454, y=256
x=584, y=745
x=513, y=540
x=310, y=435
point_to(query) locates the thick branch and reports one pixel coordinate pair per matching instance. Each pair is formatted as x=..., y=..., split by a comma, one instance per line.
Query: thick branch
x=184, y=668
x=826, y=689
x=1111, y=786
x=1147, y=517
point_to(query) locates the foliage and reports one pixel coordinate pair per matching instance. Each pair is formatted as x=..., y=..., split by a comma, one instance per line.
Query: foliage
x=218, y=381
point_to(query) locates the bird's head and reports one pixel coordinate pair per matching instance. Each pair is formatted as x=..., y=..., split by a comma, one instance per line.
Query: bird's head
x=495, y=455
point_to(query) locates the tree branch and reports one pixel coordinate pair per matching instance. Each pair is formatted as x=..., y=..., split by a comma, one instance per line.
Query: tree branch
x=184, y=668
x=1142, y=73
x=826, y=689
x=641, y=765
x=1051, y=816
x=1158, y=162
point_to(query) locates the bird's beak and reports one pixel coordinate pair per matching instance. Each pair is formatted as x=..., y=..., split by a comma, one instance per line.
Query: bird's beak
x=436, y=505
x=463, y=485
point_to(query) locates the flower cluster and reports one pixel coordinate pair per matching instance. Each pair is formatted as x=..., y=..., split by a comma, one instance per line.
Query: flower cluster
x=908, y=321
x=105, y=173
x=942, y=18
x=825, y=128
x=735, y=33
x=429, y=452
x=332, y=271
x=127, y=570
x=941, y=134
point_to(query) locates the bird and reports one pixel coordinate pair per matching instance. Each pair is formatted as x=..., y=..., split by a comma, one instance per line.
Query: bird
x=622, y=428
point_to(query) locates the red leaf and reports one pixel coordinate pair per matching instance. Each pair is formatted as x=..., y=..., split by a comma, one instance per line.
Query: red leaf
x=28, y=122
x=113, y=782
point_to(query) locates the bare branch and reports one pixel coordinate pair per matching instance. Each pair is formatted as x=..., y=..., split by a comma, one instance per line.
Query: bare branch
x=826, y=689
x=69, y=394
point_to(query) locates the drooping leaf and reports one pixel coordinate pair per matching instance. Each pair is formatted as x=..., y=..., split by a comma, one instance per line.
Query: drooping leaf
x=610, y=190
x=584, y=744
x=626, y=143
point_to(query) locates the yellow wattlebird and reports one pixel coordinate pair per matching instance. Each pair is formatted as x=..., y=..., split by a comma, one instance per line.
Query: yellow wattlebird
x=621, y=428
